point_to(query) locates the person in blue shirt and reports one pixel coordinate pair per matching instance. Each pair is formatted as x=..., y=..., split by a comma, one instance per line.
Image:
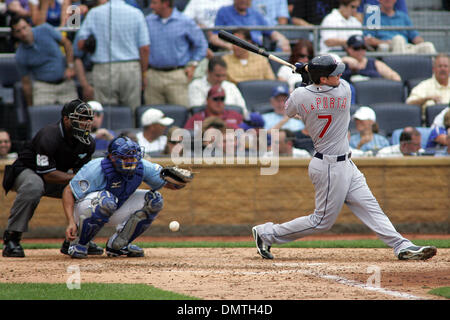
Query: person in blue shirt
x=177, y=45
x=398, y=41
x=242, y=14
x=438, y=138
x=400, y=5
x=274, y=11
x=105, y=192
x=367, y=139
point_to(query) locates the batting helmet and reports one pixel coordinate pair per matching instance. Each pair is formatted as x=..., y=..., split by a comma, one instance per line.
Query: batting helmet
x=324, y=66
x=125, y=155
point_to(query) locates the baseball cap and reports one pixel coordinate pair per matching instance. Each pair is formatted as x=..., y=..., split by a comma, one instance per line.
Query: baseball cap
x=96, y=106
x=153, y=115
x=255, y=120
x=356, y=41
x=365, y=113
x=216, y=91
x=279, y=90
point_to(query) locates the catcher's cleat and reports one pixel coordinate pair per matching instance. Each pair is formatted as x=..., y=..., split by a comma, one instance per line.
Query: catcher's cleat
x=78, y=251
x=131, y=250
x=93, y=248
x=263, y=249
x=417, y=253
x=11, y=245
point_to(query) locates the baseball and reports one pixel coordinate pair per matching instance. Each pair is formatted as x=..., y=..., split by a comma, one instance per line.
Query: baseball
x=174, y=226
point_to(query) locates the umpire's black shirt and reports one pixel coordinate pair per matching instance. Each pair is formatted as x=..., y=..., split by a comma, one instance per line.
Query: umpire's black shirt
x=52, y=148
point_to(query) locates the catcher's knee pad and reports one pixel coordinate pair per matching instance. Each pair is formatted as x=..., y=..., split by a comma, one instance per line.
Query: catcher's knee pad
x=153, y=202
x=93, y=219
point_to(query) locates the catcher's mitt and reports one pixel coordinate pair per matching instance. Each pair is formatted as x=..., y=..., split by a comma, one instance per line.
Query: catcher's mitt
x=176, y=177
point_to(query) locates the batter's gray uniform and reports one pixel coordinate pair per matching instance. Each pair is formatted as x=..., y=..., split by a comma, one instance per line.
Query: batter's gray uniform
x=325, y=111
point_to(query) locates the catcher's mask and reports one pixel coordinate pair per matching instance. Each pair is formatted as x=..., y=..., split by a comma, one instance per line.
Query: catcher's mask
x=80, y=115
x=125, y=155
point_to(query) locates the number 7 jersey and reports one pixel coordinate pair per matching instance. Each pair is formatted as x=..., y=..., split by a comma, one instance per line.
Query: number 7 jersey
x=325, y=111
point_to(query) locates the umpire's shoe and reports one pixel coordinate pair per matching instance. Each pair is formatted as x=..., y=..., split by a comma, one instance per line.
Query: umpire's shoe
x=417, y=253
x=263, y=249
x=11, y=244
x=131, y=250
x=93, y=249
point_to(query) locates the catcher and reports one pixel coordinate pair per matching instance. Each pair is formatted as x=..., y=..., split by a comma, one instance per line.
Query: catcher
x=105, y=192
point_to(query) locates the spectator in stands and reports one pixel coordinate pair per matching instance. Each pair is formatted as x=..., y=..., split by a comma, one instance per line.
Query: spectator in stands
x=101, y=135
x=400, y=5
x=398, y=41
x=19, y=7
x=217, y=74
x=215, y=107
x=435, y=90
x=46, y=75
x=5, y=146
x=277, y=101
x=241, y=14
x=284, y=145
x=438, y=136
x=120, y=61
x=302, y=51
x=367, y=137
x=152, y=137
x=249, y=143
x=310, y=12
x=439, y=119
x=245, y=66
x=359, y=66
x=215, y=141
x=336, y=40
x=274, y=11
x=177, y=46
x=410, y=145
x=171, y=142
x=53, y=12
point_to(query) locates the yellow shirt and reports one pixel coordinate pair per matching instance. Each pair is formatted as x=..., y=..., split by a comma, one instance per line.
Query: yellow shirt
x=428, y=88
x=254, y=68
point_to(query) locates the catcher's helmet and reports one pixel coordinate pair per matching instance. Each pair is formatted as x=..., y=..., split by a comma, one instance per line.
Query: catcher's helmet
x=125, y=155
x=81, y=115
x=324, y=66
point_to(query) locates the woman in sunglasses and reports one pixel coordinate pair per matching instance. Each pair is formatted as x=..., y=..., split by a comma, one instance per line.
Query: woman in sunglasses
x=360, y=67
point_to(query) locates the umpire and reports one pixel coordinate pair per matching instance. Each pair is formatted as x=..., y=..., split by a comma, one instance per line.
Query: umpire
x=42, y=168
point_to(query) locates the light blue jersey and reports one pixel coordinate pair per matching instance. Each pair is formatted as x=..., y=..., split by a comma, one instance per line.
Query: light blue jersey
x=91, y=178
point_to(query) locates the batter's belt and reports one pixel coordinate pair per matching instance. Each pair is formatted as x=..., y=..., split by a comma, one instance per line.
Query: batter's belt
x=319, y=155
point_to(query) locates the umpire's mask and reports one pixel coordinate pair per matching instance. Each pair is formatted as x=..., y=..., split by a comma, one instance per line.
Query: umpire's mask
x=81, y=115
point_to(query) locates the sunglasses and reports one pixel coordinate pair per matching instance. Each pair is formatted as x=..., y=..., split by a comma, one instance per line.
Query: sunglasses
x=359, y=48
x=219, y=99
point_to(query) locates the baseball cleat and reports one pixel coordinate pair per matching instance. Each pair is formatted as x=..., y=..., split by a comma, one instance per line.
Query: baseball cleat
x=11, y=245
x=93, y=248
x=78, y=251
x=263, y=249
x=417, y=253
x=131, y=250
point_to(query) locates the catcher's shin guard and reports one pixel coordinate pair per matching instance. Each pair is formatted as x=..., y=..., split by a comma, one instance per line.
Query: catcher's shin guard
x=138, y=222
x=103, y=206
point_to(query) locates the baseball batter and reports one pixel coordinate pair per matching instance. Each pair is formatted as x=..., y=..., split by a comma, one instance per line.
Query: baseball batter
x=324, y=107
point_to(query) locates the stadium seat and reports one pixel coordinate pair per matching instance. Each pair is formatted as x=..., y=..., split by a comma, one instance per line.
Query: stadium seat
x=197, y=109
x=40, y=116
x=177, y=112
x=258, y=91
x=263, y=108
x=180, y=4
x=410, y=66
x=6, y=95
x=432, y=111
x=378, y=91
x=424, y=133
x=8, y=71
x=391, y=116
x=117, y=117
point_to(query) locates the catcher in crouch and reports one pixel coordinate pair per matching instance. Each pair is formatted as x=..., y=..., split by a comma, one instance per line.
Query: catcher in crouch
x=105, y=191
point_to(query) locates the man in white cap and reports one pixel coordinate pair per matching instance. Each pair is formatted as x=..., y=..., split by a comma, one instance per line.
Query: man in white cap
x=152, y=138
x=101, y=135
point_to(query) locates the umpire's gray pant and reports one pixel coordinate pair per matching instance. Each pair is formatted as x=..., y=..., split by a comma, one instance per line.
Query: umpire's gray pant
x=30, y=187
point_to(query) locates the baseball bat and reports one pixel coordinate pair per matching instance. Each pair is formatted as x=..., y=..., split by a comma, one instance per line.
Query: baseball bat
x=228, y=37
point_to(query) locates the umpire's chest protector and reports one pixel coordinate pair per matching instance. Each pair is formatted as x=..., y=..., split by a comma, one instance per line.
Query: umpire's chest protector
x=120, y=186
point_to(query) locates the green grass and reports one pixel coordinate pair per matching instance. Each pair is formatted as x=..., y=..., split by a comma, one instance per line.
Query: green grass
x=87, y=291
x=442, y=291
x=369, y=243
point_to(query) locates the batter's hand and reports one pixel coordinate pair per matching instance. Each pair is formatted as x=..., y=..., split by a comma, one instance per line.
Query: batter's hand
x=71, y=232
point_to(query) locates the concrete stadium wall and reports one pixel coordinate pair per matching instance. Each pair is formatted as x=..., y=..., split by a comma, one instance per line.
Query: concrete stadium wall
x=229, y=199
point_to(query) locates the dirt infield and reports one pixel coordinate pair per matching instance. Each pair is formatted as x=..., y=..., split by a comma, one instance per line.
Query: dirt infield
x=240, y=274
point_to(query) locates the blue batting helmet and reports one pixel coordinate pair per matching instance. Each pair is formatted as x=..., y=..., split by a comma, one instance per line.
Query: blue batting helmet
x=125, y=154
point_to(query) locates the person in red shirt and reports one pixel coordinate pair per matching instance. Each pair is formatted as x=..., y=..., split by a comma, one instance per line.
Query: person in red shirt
x=215, y=107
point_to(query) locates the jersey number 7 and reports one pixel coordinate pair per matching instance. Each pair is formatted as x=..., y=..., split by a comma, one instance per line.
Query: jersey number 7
x=328, y=117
